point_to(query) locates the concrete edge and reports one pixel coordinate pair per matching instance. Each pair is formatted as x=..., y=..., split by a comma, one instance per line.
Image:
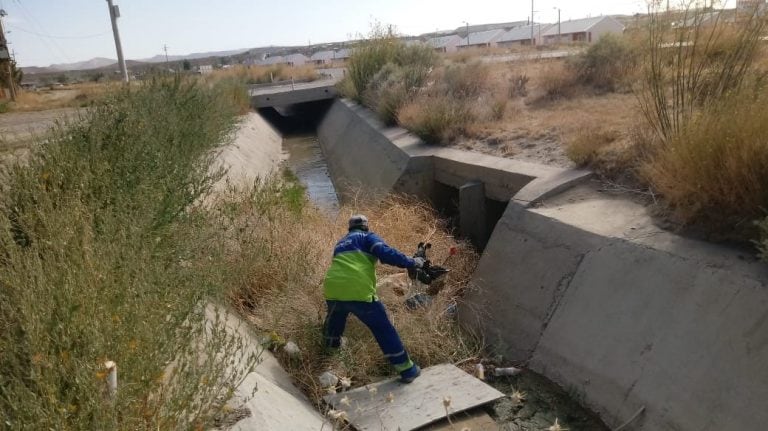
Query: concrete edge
x=546, y=181
x=546, y=187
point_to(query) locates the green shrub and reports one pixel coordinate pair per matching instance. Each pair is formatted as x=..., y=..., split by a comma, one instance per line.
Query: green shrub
x=383, y=48
x=387, y=92
x=369, y=58
x=606, y=63
x=105, y=256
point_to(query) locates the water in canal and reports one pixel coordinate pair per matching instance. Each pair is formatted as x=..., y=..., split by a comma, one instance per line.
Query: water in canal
x=306, y=160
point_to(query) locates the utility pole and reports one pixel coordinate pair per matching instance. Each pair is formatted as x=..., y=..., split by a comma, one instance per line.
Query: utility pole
x=165, y=48
x=533, y=37
x=467, y=23
x=559, y=33
x=5, y=58
x=114, y=13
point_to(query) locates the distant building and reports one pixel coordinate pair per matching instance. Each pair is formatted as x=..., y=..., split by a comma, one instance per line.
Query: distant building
x=587, y=30
x=296, y=60
x=486, y=27
x=445, y=44
x=343, y=54
x=483, y=39
x=323, y=57
x=205, y=69
x=271, y=60
x=749, y=6
x=522, y=36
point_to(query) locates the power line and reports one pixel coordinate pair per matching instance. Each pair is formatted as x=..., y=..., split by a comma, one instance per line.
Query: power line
x=90, y=36
x=51, y=44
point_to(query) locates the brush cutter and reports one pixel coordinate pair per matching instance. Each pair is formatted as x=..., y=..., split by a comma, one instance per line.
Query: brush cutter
x=425, y=276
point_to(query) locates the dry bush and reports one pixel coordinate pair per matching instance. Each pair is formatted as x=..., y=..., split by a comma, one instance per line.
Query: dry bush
x=286, y=254
x=713, y=172
x=518, y=85
x=466, y=80
x=436, y=119
x=586, y=146
x=557, y=81
x=690, y=67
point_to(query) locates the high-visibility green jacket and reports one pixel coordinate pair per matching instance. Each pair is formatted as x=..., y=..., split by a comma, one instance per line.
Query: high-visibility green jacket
x=352, y=275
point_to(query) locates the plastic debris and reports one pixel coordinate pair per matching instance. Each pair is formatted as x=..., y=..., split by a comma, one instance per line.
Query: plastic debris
x=292, y=349
x=480, y=371
x=510, y=371
x=328, y=379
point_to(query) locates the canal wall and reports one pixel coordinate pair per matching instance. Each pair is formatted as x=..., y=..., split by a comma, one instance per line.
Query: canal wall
x=274, y=403
x=579, y=285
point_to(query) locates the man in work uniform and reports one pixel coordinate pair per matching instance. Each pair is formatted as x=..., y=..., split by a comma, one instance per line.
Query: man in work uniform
x=350, y=287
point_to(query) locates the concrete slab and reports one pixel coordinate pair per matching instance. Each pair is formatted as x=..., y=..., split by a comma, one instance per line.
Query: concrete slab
x=285, y=95
x=390, y=405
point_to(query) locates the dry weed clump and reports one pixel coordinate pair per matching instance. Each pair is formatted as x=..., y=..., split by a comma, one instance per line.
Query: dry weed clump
x=287, y=254
x=557, y=81
x=588, y=143
x=714, y=171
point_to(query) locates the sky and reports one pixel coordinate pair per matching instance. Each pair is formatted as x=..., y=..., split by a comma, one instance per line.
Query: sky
x=43, y=32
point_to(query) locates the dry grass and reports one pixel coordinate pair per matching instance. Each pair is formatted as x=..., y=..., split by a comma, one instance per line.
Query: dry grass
x=585, y=148
x=713, y=173
x=282, y=293
x=265, y=74
x=76, y=95
x=557, y=81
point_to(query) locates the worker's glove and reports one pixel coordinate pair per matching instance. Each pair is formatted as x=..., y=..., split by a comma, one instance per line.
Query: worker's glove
x=419, y=262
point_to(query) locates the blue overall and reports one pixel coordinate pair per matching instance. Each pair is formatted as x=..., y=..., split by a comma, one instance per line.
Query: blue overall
x=350, y=287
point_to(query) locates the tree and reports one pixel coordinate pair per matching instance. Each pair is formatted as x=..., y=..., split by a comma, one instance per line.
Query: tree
x=186, y=65
x=17, y=74
x=224, y=61
x=62, y=79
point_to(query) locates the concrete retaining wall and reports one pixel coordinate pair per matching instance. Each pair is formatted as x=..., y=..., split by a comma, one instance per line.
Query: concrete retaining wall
x=583, y=288
x=658, y=322
x=363, y=153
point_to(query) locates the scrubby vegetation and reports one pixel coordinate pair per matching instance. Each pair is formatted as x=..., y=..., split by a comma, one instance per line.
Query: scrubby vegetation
x=106, y=255
x=702, y=95
x=384, y=72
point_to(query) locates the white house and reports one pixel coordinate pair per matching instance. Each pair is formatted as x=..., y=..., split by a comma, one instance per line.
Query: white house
x=483, y=39
x=586, y=30
x=522, y=36
x=322, y=57
x=205, y=69
x=445, y=44
x=296, y=60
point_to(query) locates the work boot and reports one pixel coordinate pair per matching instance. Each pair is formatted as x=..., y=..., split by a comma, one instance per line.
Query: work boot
x=410, y=374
